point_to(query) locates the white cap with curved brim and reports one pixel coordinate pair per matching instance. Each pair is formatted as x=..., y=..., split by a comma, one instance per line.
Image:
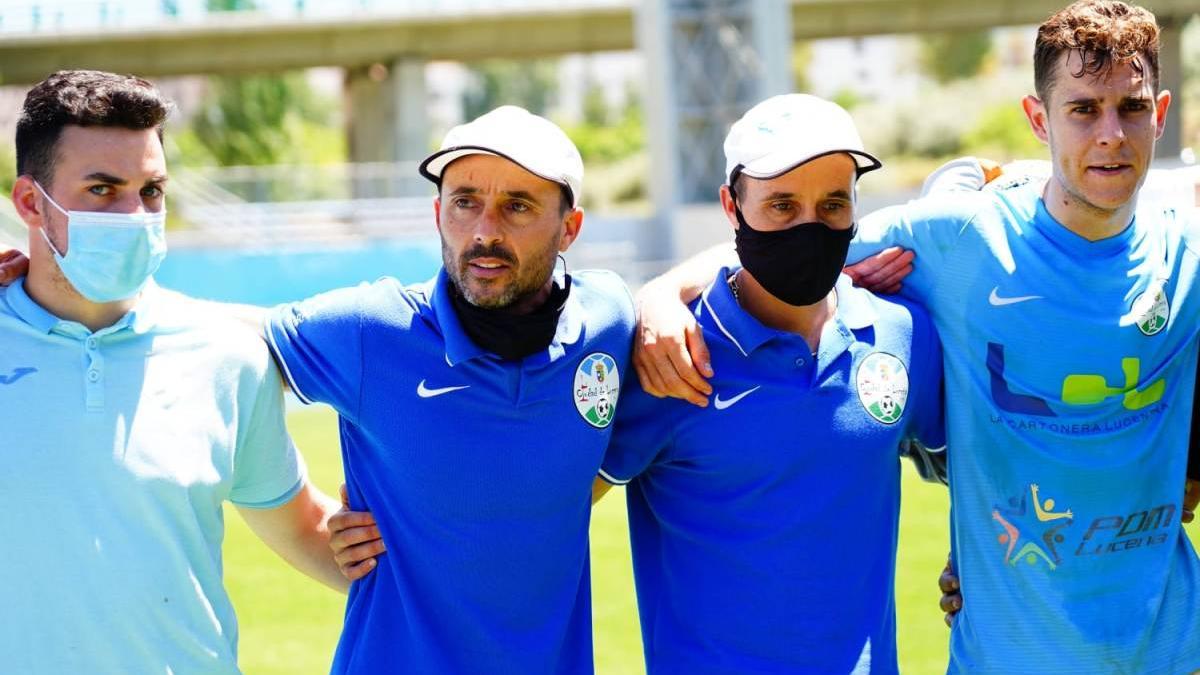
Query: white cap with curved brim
x=535, y=143
x=786, y=131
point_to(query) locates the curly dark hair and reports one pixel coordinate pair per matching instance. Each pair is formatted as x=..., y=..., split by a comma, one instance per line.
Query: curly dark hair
x=84, y=98
x=1102, y=33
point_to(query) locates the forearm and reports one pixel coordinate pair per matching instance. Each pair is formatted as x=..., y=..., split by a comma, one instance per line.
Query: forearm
x=299, y=533
x=688, y=279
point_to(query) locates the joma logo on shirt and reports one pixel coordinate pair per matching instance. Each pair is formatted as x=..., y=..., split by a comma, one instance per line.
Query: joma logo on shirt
x=1077, y=389
x=16, y=375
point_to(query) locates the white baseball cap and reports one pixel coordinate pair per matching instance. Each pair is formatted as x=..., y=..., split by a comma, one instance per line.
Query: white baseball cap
x=786, y=131
x=533, y=142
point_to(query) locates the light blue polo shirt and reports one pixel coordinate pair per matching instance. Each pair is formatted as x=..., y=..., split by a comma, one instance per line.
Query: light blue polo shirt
x=478, y=471
x=1070, y=367
x=764, y=526
x=122, y=446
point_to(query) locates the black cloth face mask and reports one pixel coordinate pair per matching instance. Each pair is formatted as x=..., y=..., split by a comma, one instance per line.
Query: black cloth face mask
x=512, y=336
x=799, y=265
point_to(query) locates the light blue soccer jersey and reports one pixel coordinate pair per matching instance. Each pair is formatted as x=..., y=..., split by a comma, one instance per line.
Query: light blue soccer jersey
x=764, y=526
x=1069, y=373
x=121, y=446
x=478, y=471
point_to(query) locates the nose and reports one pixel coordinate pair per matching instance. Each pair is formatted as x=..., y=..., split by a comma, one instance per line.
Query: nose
x=488, y=227
x=1109, y=129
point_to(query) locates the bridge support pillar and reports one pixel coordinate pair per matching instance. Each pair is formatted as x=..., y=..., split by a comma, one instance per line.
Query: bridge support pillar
x=707, y=62
x=1170, y=61
x=385, y=112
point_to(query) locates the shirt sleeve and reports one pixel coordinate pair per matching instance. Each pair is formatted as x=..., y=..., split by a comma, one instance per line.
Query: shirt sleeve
x=643, y=431
x=318, y=345
x=267, y=469
x=930, y=227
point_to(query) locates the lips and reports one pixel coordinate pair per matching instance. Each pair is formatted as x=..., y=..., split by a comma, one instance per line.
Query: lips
x=1111, y=169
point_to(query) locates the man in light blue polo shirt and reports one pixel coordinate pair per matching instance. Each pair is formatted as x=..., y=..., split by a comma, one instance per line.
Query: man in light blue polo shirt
x=474, y=411
x=132, y=412
x=741, y=513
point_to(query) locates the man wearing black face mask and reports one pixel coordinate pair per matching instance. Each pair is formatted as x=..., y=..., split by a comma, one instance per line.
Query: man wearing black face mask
x=742, y=512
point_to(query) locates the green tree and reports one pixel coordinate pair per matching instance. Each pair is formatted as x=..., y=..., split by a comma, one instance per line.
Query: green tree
x=529, y=84
x=955, y=56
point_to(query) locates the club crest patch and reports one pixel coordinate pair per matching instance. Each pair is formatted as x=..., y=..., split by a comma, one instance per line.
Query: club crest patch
x=1151, y=310
x=882, y=383
x=597, y=384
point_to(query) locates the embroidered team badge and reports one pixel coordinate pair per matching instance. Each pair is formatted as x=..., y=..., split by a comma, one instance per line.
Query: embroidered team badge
x=882, y=383
x=1151, y=310
x=597, y=384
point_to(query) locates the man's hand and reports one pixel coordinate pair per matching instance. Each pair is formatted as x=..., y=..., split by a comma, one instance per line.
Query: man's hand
x=13, y=266
x=1191, y=499
x=668, y=347
x=882, y=272
x=951, y=601
x=355, y=540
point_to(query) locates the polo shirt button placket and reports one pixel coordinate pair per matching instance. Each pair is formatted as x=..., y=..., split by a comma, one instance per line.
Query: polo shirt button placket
x=95, y=375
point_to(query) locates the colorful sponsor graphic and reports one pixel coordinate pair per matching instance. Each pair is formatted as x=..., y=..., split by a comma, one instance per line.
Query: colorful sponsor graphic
x=1032, y=537
x=882, y=384
x=1035, y=535
x=597, y=383
x=1077, y=389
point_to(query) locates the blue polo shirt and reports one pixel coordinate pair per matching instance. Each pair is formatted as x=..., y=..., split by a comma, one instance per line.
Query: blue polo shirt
x=1070, y=367
x=477, y=469
x=121, y=446
x=745, y=515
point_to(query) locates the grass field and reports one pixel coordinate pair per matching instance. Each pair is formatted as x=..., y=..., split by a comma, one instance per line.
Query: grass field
x=289, y=625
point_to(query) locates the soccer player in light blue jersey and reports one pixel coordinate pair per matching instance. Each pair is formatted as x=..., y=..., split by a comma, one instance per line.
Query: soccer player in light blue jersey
x=475, y=410
x=738, y=512
x=1069, y=313
x=131, y=413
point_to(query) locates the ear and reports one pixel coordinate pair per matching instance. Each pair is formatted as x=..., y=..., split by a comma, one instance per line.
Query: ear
x=1035, y=112
x=26, y=200
x=728, y=205
x=1161, y=104
x=572, y=225
x=437, y=213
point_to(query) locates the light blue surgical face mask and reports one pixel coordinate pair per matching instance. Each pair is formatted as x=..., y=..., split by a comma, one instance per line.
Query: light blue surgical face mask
x=110, y=256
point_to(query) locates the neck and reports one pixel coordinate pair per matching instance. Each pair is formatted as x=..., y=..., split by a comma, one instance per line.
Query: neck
x=49, y=288
x=1088, y=221
x=807, y=321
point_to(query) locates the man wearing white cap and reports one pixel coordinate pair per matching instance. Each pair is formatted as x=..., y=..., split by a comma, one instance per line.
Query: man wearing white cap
x=742, y=512
x=475, y=410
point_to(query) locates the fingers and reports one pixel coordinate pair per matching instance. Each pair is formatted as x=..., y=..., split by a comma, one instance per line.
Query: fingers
x=665, y=365
x=345, y=495
x=951, y=600
x=13, y=265
x=356, y=571
x=991, y=170
x=1191, y=499
x=698, y=351
x=882, y=271
x=344, y=520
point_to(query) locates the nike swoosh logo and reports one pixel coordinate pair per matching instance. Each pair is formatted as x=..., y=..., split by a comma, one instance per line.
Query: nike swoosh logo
x=16, y=375
x=996, y=301
x=721, y=405
x=423, y=392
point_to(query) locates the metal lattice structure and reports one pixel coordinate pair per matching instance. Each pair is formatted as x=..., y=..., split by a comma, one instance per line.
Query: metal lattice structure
x=708, y=62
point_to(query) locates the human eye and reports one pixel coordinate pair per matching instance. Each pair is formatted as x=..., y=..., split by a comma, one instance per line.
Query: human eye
x=1135, y=106
x=462, y=202
x=152, y=192
x=781, y=207
x=1083, y=109
x=102, y=190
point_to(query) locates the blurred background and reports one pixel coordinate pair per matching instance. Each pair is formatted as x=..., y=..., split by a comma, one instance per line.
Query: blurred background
x=300, y=124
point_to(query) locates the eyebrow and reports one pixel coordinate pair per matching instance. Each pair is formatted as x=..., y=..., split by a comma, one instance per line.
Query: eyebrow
x=110, y=179
x=1097, y=101
x=836, y=194
x=515, y=194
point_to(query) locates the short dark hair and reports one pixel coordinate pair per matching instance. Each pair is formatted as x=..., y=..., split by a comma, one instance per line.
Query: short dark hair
x=83, y=98
x=1101, y=33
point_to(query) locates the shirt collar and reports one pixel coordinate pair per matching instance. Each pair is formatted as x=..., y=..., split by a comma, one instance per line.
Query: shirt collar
x=460, y=347
x=854, y=311
x=137, y=319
